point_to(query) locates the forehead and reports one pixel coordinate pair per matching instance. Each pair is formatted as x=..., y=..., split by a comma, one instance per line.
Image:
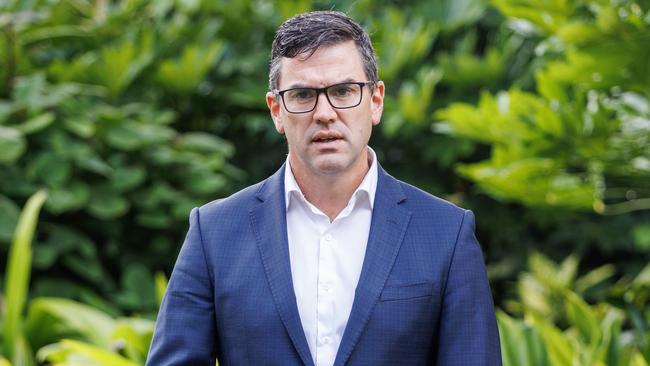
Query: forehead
x=328, y=65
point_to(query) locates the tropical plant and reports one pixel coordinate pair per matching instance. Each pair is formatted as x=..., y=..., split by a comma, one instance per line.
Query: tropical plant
x=556, y=326
x=83, y=334
x=579, y=140
x=97, y=112
x=15, y=347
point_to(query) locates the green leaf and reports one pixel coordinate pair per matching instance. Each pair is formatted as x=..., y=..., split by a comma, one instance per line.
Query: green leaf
x=106, y=204
x=582, y=317
x=594, y=277
x=641, y=234
x=93, y=163
x=34, y=93
x=558, y=348
x=81, y=127
x=135, y=336
x=37, y=123
x=68, y=198
x=205, y=182
x=121, y=63
x=138, y=289
x=611, y=346
x=50, y=319
x=203, y=142
x=69, y=350
x=86, y=268
x=126, y=178
x=451, y=14
x=9, y=212
x=415, y=98
x=22, y=353
x=12, y=145
x=161, y=286
x=185, y=74
x=51, y=168
x=18, y=272
x=130, y=136
x=513, y=346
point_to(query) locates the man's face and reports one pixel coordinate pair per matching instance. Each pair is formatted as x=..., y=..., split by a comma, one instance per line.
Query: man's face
x=326, y=140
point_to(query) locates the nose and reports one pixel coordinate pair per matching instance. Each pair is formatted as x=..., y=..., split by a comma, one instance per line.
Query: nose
x=324, y=112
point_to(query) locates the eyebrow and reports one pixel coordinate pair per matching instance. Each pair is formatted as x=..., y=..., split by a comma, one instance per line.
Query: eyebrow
x=300, y=85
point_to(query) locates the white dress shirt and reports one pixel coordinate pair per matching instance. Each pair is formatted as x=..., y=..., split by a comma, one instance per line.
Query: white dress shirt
x=326, y=259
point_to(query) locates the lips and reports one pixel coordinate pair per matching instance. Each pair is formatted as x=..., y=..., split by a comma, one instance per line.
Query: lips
x=326, y=136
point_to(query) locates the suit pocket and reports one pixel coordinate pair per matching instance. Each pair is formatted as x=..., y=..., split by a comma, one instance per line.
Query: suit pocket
x=407, y=291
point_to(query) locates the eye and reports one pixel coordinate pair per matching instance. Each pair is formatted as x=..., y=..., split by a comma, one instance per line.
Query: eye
x=344, y=90
x=301, y=94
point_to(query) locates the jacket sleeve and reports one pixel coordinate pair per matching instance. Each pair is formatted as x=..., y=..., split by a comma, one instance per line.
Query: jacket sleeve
x=468, y=328
x=186, y=329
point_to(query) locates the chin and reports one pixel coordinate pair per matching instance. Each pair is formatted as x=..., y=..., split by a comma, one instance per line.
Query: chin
x=330, y=166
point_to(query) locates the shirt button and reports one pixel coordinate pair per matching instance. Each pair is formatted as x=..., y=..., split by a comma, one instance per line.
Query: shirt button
x=325, y=287
x=325, y=340
x=328, y=237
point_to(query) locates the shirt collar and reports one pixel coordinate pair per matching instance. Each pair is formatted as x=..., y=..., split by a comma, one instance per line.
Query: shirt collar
x=368, y=184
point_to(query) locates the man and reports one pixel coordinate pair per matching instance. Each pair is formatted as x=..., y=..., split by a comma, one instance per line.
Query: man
x=330, y=261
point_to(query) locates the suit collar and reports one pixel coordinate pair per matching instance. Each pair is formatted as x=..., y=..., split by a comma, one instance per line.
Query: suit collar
x=389, y=223
x=269, y=223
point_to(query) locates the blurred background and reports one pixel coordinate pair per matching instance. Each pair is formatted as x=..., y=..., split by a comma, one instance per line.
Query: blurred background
x=124, y=115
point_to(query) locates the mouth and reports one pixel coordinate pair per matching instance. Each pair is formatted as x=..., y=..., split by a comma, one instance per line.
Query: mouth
x=326, y=137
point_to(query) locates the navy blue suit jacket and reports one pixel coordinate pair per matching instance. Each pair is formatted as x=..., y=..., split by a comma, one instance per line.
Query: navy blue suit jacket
x=423, y=296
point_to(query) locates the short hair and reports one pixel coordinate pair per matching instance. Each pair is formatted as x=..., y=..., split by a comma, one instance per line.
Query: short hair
x=305, y=33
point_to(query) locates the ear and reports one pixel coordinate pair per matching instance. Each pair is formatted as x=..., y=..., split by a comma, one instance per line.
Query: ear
x=273, y=102
x=377, y=102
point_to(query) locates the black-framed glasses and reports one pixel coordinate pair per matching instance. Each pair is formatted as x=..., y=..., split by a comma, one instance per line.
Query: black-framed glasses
x=340, y=96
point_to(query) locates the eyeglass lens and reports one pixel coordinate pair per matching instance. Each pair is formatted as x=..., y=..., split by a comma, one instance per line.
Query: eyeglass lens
x=340, y=96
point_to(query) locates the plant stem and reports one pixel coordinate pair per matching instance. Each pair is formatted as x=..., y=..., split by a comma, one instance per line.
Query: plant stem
x=627, y=207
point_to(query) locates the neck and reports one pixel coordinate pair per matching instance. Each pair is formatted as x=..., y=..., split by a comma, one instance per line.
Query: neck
x=331, y=192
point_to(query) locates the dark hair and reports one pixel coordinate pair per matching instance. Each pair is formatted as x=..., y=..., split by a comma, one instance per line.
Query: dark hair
x=304, y=33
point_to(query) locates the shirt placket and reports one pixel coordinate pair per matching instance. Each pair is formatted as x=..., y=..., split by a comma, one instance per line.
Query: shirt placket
x=326, y=329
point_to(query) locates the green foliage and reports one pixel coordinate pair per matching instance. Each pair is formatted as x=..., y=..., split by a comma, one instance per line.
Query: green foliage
x=100, y=339
x=582, y=137
x=14, y=344
x=88, y=114
x=51, y=319
x=560, y=328
x=69, y=352
x=130, y=113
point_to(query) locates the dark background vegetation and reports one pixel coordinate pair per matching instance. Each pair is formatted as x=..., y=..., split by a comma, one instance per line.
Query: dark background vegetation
x=535, y=115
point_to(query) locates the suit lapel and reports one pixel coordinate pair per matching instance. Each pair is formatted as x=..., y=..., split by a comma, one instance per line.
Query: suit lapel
x=268, y=220
x=389, y=223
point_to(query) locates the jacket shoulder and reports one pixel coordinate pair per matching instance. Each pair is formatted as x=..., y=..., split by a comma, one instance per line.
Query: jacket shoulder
x=237, y=203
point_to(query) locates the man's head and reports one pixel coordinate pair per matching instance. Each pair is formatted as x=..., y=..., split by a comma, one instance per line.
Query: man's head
x=325, y=97
x=305, y=33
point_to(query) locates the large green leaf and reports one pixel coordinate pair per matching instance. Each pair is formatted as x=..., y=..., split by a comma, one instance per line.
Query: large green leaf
x=135, y=335
x=107, y=204
x=558, y=348
x=17, y=279
x=513, y=345
x=583, y=318
x=37, y=123
x=185, y=74
x=74, y=353
x=12, y=144
x=50, y=319
x=68, y=198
